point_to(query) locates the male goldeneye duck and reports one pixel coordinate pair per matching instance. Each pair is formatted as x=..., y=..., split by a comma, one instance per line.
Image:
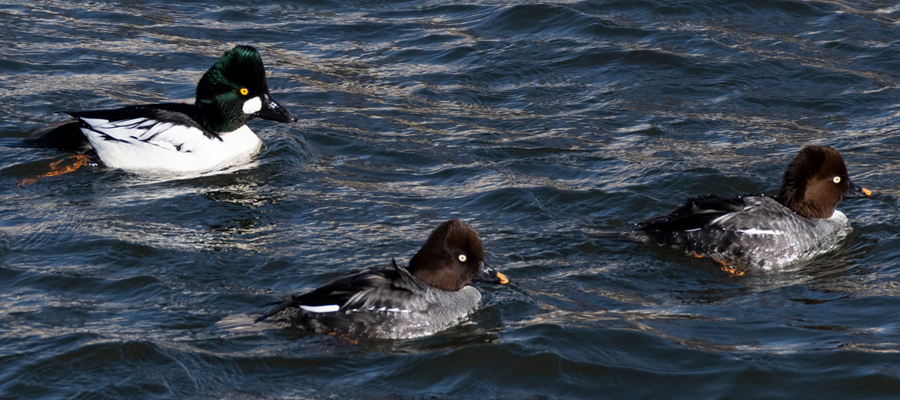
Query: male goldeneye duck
x=393, y=302
x=765, y=231
x=170, y=137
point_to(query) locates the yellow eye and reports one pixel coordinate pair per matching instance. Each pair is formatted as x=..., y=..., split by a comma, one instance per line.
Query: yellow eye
x=462, y=258
x=244, y=91
x=837, y=179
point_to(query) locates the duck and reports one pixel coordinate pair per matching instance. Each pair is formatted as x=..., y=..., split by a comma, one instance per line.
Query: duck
x=763, y=231
x=391, y=301
x=175, y=137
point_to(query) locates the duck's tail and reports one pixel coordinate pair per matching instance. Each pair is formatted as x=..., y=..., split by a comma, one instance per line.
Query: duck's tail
x=281, y=306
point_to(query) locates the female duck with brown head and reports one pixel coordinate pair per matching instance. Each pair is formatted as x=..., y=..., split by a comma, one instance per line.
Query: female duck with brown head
x=393, y=302
x=765, y=231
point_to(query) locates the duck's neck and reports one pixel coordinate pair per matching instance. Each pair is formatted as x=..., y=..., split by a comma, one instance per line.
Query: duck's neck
x=215, y=120
x=439, y=278
x=803, y=201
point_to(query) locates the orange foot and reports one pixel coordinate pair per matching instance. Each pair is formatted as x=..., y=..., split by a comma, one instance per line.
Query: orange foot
x=727, y=265
x=344, y=338
x=729, y=268
x=80, y=160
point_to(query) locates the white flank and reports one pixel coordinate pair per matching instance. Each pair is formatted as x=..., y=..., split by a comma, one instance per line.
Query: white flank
x=144, y=145
x=321, y=309
x=755, y=231
x=251, y=106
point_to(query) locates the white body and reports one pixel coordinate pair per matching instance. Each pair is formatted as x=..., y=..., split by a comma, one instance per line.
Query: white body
x=146, y=145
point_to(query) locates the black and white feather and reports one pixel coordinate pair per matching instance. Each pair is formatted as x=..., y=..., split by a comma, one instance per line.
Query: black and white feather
x=162, y=138
x=385, y=302
x=755, y=230
x=174, y=138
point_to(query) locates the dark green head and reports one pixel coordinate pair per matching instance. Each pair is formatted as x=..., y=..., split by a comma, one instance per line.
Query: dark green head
x=234, y=90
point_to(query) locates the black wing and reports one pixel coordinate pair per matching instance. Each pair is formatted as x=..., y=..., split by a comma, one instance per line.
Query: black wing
x=384, y=286
x=173, y=113
x=697, y=213
x=177, y=113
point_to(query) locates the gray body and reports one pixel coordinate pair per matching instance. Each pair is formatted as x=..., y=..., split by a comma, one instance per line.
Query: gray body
x=758, y=232
x=385, y=302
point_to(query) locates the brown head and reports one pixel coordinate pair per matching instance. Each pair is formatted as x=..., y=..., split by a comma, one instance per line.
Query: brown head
x=452, y=257
x=815, y=182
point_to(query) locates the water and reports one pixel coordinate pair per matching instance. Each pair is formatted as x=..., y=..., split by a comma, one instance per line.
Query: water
x=536, y=122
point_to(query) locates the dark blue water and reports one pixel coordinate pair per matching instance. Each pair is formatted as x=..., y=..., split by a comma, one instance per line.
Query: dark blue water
x=536, y=122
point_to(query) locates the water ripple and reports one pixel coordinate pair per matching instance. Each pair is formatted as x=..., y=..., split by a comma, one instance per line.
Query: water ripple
x=536, y=122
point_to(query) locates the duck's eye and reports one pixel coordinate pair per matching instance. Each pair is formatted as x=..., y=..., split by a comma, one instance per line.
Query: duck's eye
x=462, y=258
x=244, y=91
x=837, y=179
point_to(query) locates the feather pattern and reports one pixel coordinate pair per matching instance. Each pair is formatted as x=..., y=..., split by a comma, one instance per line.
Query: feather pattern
x=391, y=301
x=380, y=302
x=204, y=136
x=163, y=138
x=765, y=231
x=755, y=230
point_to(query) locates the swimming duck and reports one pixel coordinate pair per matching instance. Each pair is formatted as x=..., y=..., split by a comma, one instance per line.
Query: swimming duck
x=170, y=137
x=393, y=302
x=761, y=230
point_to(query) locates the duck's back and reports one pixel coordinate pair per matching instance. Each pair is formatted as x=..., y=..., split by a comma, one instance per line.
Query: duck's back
x=381, y=302
x=754, y=230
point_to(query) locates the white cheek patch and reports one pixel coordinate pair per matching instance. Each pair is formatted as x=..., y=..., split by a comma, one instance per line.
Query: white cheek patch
x=251, y=106
x=321, y=309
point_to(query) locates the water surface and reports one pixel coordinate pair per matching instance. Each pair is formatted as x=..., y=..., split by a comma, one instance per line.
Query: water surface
x=536, y=122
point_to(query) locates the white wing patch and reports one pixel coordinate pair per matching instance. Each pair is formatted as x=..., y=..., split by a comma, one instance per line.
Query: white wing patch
x=321, y=309
x=152, y=132
x=754, y=231
x=722, y=219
